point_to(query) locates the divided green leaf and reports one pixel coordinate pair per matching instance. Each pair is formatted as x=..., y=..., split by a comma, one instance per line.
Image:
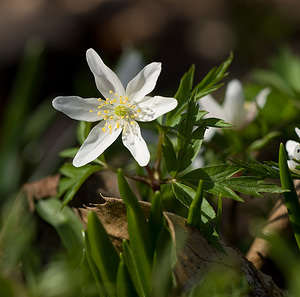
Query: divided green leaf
x=217, y=181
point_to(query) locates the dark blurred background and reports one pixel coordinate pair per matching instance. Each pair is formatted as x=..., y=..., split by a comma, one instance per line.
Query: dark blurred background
x=42, y=55
x=176, y=32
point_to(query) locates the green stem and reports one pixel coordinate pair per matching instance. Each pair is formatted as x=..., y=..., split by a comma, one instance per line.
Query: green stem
x=290, y=196
x=159, y=151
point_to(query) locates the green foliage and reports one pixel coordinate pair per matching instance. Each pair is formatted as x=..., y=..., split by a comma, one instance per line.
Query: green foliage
x=144, y=266
x=285, y=73
x=291, y=197
x=83, y=130
x=21, y=127
x=182, y=95
x=169, y=154
x=210, y=83
x=218, y=180
x=188, y=140
x=103, y=253
x=67, y=225
x=124, y=284
x=73, y=179
x=139, y=234
x=194, y=216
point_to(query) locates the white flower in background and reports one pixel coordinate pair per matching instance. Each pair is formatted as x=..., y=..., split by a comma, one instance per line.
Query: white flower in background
x=234, y=109
x=118, y=112
x=293, y=149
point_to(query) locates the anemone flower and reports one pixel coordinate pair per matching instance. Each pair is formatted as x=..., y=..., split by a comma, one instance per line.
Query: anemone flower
x=119, y=111
x=293, y=150
x=234, y=109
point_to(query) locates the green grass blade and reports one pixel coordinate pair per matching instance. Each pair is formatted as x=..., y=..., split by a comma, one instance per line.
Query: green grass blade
x=139, y=234
x=219, y=214
x=194, y=215
x=103, y=253
x=291, y=198
x=132, y=269
x=93, y=268
x=162, y=264
x=156, y=217
x=125, y=287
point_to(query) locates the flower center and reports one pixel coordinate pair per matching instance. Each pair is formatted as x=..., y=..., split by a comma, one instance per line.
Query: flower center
x=120, y=111
x=116, y=112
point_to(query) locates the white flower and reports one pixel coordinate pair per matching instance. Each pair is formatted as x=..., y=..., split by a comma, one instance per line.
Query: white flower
x=293, y=150
x=234, y=109
x=118, y=112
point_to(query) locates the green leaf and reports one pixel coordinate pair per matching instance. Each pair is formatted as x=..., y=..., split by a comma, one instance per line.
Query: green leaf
x=182, y=95
x=219, y=214
x=201, y=214
x=103, y=253
x=287, y=65
x=164, y=259
x=125, y=287
x=189, y=140
x=217, y=180
x=93, y=267
x=210, y=81
x=132, y=269
x=291, y=197
x=252, y=185
x=261, y=143
x=186, y=194
x=194, y=215
x=183, y=193
x=8, y=287
x=67, y=225
x=83, y=130
x=139, y=234
x=169, y=155
x=212, y=122
x=275, y=80
x=214, y=179
x=260, y=169
x=69, y=153
x=209, y=174
x=43, y=115
x=156, y=218
x=24, y=84
x=73, y=180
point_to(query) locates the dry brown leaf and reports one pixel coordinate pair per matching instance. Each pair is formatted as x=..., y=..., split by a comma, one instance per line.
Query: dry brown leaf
x=195, y=255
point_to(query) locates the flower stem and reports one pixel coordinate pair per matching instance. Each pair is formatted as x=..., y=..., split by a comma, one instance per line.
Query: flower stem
x=159, y=150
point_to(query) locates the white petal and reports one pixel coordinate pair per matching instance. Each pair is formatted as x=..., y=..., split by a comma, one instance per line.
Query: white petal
x=135, y=143
x=292, y=165
x=153, y=107
x=234, y=103
x=296, y=153
x=209, y=104
x=95, y=144
x=77, y=108
x=261, y=97
x=290, y=147
x=209, y=133
x=297, y=130
x=251, y=113
x=106, y=80
x=143, y=83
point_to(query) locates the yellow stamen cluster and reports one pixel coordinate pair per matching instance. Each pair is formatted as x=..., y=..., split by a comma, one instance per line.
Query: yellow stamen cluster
x=116, y=108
